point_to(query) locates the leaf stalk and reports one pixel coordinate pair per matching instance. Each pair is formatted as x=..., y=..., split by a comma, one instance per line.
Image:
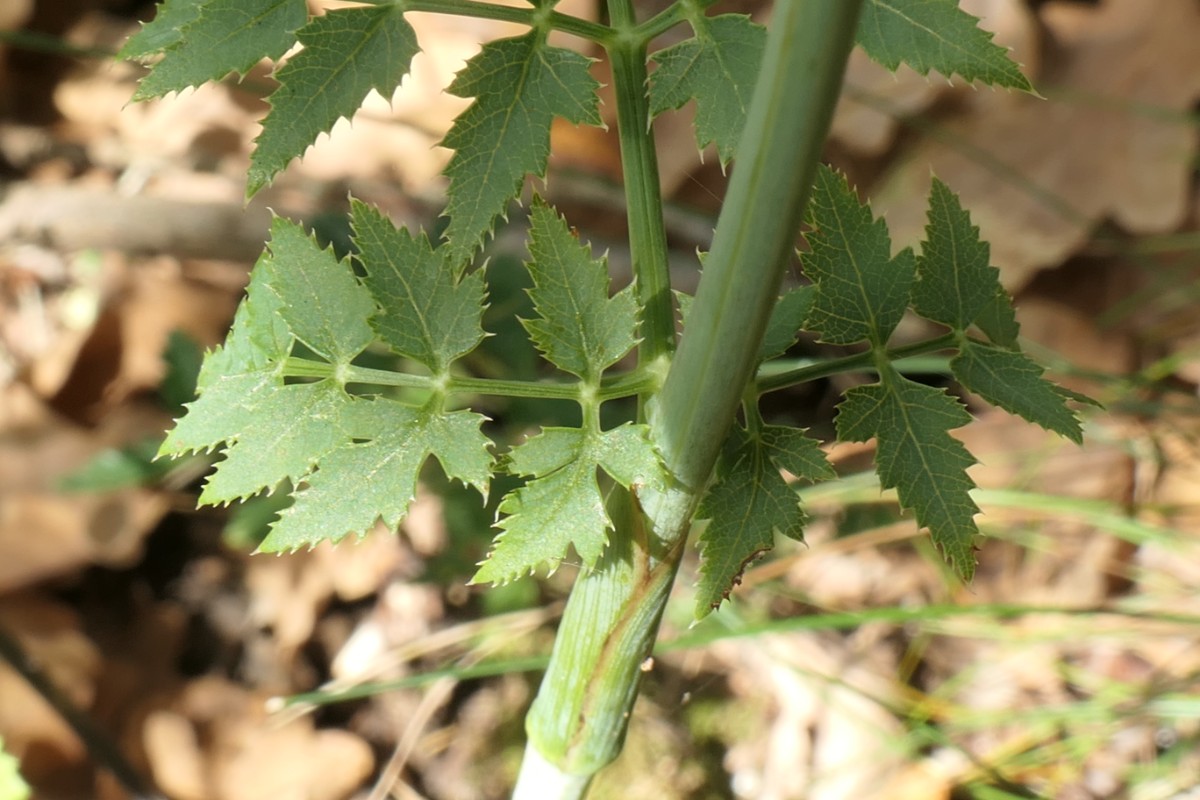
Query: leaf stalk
x=584, y=29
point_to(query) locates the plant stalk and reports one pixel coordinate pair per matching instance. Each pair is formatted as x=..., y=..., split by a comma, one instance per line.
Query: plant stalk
x=578, y=721
x=643, y=191
x=800, y=79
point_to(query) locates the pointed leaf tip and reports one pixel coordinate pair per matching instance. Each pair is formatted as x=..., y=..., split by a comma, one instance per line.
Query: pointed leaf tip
x=519, y=85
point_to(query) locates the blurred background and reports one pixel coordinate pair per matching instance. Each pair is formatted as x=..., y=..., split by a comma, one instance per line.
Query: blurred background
x=852, y=667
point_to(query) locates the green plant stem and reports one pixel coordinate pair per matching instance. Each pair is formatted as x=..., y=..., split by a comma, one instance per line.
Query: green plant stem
x=643, y=192
x=806, y=52
x=578, y=721
x=618, y=386
x=611, y=620
x=37, y=42
x=584, y=29
x=637, y=382
x=771, y=381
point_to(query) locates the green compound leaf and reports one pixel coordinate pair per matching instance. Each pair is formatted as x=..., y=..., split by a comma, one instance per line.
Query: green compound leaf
x=954, y=280
x=935, y=34
x=238, y=374
x=354, y=460
x=426, y=313
x=918, y=457
x=346, y=54
x=717, y=68
x=581, y=329
x=224, y=36
x=372, y=474
x=749, y=502
x=562, y=505
x=170, y=18
x=519, y=86
x=1012, y=381
x=322, y=303
x=862, y=291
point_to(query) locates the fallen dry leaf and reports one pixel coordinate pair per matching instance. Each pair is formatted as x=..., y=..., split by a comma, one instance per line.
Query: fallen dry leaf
x=49, y=633
x=13, y=15
x=1111, y=142
x=216, y=742
x=830, y=734
x=874, y=98
x=45, y=533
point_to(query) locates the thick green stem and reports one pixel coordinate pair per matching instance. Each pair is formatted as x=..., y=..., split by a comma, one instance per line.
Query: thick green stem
x=580, y=715
x=793, y=102
x=578, y=720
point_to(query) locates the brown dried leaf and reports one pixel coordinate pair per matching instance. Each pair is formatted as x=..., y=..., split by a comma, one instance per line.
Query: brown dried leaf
x=866, y=120
x=1039, y=175
x=244, y=755
x=50, y=635
x=44, y=533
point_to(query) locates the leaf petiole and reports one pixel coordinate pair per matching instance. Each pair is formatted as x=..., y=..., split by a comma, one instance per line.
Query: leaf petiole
x=625, y=385
x=584, y=29
x=770, y=380
x=618, y=386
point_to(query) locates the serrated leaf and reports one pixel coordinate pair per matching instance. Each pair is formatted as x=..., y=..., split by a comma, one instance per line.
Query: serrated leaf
x=322, y=303
x=684, y=302
x=917, y=456
x=562, y=504
x=235, y=375
x=627, y=454
x=285, y=430
x=998, y=320
x=790, y=449
x=787, y=318
x=170, y=18
x=862, y=291
x=938, y=35
x=1012, y=381
x=749, y=502
x=426, y=313
x=580, y=328
x=954, y=279
x=225, y=36
x=222, y=410
x=362, y=482
x=258, y=337
x=347, y=53
x=718, y=68
x=519, y=86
